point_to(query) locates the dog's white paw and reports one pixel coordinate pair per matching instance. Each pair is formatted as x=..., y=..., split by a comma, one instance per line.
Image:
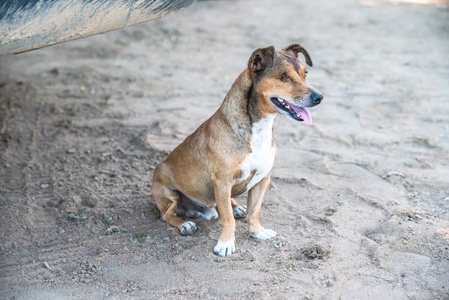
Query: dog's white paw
x=188, y=228
x=266, y=234
x=225, y=248
x=239, y=212
x=211, y=213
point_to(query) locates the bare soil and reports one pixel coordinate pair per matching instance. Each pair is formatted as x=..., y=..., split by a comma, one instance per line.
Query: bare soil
x=360, y=199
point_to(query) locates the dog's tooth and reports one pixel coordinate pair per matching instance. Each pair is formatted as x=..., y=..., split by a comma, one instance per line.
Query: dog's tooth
x=281, y=100
x=287, y=107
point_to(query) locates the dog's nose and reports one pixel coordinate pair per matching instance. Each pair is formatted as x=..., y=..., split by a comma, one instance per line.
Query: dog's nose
x=316, y=98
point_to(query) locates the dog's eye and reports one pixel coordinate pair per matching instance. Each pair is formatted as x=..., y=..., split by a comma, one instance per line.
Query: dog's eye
x=285, y=78
x=306, y=72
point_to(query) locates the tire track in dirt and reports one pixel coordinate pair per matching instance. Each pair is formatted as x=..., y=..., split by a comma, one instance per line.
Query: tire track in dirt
x=30, y=186
x=51, y=183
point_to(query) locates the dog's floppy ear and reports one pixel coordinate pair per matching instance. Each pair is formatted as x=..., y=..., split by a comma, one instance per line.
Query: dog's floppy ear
x=296, y=48
x=261, y=59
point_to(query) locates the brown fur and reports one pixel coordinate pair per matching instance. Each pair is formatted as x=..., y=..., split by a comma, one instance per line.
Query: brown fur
x=206, y=166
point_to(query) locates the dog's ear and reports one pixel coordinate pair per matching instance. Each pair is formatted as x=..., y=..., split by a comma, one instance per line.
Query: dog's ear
x=296, y=49
x=261, y=59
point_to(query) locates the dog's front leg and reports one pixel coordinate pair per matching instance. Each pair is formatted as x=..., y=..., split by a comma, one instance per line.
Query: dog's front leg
x=255, y=197
x=226, y=242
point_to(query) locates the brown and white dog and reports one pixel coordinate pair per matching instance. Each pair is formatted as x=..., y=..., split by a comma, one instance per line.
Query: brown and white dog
x=233, y=151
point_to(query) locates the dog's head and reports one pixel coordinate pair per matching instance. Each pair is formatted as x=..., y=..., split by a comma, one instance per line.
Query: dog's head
x=279, y=80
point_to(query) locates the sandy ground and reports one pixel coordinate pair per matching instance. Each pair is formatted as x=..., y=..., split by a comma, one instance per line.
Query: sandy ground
x=360, y=198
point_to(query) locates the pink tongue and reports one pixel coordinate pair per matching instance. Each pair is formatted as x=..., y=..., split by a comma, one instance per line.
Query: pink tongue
x=304, y=113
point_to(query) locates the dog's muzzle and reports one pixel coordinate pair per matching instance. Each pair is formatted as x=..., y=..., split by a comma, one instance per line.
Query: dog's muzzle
x=295, y=112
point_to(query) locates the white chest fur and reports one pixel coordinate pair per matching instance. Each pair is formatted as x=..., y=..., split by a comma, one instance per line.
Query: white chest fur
x=261, y=158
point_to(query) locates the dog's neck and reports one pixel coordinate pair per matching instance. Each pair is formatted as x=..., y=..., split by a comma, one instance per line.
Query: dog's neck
x=240, y=107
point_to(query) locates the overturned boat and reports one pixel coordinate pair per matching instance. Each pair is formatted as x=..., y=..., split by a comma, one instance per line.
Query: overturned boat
x=32, y=24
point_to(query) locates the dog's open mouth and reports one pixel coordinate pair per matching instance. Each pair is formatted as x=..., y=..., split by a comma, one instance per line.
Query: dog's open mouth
x=296, y=112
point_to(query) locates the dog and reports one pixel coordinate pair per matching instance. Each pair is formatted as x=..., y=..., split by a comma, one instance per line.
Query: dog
x=233, y=151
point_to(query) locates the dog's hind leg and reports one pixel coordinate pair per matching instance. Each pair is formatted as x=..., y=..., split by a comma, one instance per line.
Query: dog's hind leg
x=167, y=200
x=255, y=197
x=239, y=211
x=193, y=210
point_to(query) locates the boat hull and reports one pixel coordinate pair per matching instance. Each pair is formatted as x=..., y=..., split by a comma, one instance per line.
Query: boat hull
x=32, y=24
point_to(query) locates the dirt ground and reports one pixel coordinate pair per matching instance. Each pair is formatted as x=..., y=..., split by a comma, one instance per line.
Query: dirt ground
x=360, y=199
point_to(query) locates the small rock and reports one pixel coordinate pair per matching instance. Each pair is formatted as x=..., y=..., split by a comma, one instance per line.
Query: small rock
x=419, y=217
x=330, y=211
x=391, y=173
x=47, y=266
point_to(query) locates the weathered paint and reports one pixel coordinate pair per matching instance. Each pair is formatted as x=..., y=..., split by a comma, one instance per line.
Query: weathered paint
x=31, y=24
